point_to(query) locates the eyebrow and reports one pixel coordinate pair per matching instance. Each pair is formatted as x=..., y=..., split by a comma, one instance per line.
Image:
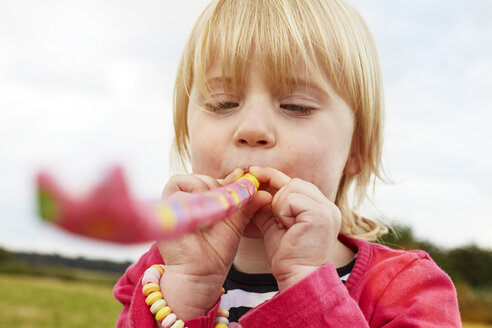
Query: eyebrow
x=218, y=79
x=302, y=84
x=295, y=84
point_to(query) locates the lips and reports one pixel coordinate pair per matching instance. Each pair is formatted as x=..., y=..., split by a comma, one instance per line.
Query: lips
x=245, y=169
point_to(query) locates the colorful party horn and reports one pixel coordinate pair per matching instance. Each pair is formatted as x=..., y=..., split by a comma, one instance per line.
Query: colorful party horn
x=110, y=213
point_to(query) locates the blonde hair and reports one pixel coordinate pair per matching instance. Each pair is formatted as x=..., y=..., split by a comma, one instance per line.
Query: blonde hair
x=330, y=39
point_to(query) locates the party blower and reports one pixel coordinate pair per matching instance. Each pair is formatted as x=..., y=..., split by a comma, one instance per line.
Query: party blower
x=109, y=212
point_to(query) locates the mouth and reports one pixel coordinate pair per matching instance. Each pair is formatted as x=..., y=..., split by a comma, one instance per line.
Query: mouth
x=245, y=169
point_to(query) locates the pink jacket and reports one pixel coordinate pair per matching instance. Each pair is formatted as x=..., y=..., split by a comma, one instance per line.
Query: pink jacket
x=387, y=288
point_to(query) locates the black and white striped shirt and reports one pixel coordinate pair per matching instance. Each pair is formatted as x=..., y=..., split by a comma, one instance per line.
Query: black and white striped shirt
x=245, y=291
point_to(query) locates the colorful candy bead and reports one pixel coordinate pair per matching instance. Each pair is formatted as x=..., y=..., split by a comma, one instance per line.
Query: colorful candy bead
x=223, y=313
x=150, y=288
x=154, y=271
x=159, y=304
x=164, y=312
x=159, y=268
x=169, y=320
x=151, y=276
x=221, y=320
x=220, y=325
x=153, y=297
x=178, y=324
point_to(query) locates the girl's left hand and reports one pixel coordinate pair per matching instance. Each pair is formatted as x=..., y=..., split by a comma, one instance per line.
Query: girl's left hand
x=311, y=224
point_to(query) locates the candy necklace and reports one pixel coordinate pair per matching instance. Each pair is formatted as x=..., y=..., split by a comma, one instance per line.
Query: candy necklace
x=162, y=312
x=110, y=213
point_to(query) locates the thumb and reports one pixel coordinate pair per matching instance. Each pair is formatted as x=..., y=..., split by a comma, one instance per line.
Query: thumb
x=233, y=176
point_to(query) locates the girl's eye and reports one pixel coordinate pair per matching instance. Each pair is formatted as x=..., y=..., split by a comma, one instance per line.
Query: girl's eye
x=299, y=109
x=220, y=106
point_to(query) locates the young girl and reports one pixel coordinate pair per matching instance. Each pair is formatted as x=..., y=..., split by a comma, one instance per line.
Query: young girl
x=290, y=91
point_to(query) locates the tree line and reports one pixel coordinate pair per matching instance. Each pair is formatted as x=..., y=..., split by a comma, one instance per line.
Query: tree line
x=57, y=260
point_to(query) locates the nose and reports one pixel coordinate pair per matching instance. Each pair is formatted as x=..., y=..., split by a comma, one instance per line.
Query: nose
x=255, y=128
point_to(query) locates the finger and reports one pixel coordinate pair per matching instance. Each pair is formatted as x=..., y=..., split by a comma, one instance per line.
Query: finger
x=189, y=183
x=233, y=176
x=211, y=182
x=281, y=208
x=291, y=210
x=260, y=200
x=299, y=208
x=263, y=218
x=296, y=185
x=286, y=202
x=242, y=217
x=270, y=176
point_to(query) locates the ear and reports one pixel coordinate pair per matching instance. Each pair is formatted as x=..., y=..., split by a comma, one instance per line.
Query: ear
x=352, y=166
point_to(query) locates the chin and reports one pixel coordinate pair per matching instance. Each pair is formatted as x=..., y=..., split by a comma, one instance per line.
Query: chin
x=252, y=231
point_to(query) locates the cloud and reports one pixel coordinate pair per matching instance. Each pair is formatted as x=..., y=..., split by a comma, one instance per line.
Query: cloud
x=448, y=213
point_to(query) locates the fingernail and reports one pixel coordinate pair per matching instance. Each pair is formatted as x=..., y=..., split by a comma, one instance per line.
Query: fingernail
x=239, y=172
x=253, y=168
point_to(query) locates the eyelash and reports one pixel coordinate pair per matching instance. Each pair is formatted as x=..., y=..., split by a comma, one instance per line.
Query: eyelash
x=219, y=106
x=223, y=106
x=303, y=110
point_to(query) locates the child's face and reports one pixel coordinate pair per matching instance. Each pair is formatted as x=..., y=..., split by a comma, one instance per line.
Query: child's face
x=305, y=134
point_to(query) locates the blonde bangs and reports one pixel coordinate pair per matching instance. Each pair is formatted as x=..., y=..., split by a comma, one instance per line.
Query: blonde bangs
x=272, y=35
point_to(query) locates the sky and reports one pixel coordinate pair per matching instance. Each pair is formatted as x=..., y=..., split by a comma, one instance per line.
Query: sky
x=88, y=84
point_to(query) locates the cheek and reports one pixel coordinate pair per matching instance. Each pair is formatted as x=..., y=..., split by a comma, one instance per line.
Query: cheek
x=201, y=161
x=205, y=149
x=320, y=163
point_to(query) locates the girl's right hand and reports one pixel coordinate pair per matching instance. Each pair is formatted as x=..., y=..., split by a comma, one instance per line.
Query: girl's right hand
x=197, y=263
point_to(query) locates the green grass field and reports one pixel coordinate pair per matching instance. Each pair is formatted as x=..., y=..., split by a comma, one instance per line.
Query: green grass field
x=40, y=302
